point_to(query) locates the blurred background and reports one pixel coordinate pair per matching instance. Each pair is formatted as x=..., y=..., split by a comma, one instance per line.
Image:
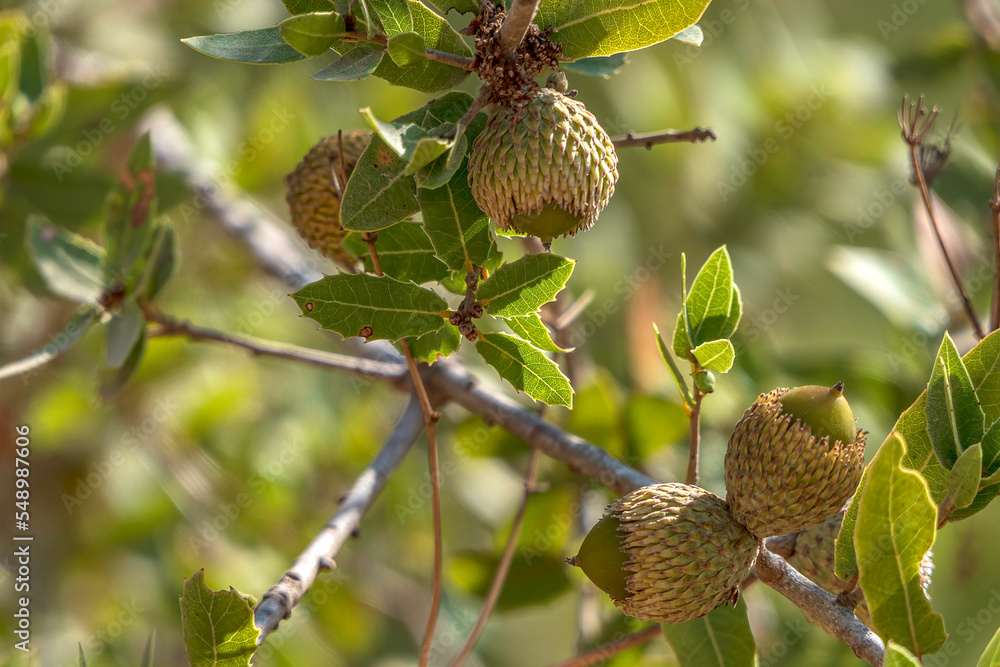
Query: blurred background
x=808, y=184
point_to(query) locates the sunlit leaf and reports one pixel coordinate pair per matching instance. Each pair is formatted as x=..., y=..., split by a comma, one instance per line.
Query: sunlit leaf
x=897, y=656
x=522, y=287
x=715, y=355
x=458, y=229
x=217, y=626
x=429, y=347
x=954, y=419
x=313, y=34
x=406, y=49
x=846, y=557
x=991, y=656
x=404, y=252
x=526, y=368
x=531, y=328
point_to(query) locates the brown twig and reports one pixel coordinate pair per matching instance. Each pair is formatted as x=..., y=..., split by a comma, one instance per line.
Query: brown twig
x=995, y=208
x=695, y=442
x=277, y=603
x=916, y=123
x=611, y=648
x=515, y=25
x=694, y=136
x=837, y=618
x=503, y=567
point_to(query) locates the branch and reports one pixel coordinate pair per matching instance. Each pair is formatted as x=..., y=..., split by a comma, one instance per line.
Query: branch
x=514, y=27
x=694, y=136
x=995, y=208
x=611, y=648
x=838, y=618
x=278, y=602
x=695, y=444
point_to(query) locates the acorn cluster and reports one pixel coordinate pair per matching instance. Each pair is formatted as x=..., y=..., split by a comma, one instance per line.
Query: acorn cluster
x=672, y=552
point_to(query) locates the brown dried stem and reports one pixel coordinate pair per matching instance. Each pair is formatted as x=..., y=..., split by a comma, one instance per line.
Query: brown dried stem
x=694, y=136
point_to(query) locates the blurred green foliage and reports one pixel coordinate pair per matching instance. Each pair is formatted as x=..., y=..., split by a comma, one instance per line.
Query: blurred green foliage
x=213, y=459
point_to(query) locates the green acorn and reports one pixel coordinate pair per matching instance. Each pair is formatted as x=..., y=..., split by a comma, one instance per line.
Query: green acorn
x=668, y=553
x=314, y=189
x=794, y=459
x=545, y=168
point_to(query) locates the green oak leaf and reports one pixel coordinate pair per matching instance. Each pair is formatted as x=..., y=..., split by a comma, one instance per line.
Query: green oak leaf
x=588, y=28
x=531, y=328
x=715, y=355
x=358, y=63
x=896, y=526
x=217, y=626
x=313, y=34
x=379, y=194
x=897, y=656
x=965, y=475
x=70, y=264
x=526, y=368
x=458, y=229
x=954, y=419
x=404, y=252
x=373, y=307
x=124, y=330
x=406, y=49
x=256, y=47
x=720, y=639
x=603, y=66
x=846, y=558
x=523, y=286
x=435, y=345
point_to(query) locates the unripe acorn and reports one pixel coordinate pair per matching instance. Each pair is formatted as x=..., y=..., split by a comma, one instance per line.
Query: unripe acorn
x=545, y=168
x=794, y=459
x=314, y=189
x=668, y=553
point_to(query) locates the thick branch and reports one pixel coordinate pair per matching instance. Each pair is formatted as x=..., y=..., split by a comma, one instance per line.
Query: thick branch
x=839, y=619
x=514, y=27
x=278, y=602
x=666, y=137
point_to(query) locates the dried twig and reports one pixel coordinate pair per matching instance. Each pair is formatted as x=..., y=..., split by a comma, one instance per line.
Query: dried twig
x=666, y=137
x=615, y=646
x=277, y=603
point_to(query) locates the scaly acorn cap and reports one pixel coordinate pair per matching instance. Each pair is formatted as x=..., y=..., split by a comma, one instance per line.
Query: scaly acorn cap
x=682, y=553
x=314, y=189
x=815, y=557
x=780, y=477
x=546, y=168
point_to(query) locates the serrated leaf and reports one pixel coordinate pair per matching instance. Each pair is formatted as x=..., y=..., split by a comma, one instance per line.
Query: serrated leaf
x=720, y=639
x=404, y=252
x=895, y=528
x=378, y=194
x=897, y=656
x=458, y=229
x=296, y=7
x=965, y=475
x=313, y=34
x=531, y=328
x=124, y=330
x=373, y=307
x=406, y=49
x=417, y=146
x=954, y=419
x=69, y=263
x=429, y=76
x=605, y=27
x=60, y=342
x=358, y=63
x=603, y=66
x=461, y=6
x=846, y=558
x=524, y=286
x=983, y=365
x=256, y=47
x=429, y=347
x=526, y=368
x=991, y=656
x=217, y=626
x=715, y=355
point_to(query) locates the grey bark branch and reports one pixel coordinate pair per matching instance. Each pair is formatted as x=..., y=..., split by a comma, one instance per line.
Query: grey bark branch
x=276, y=605
x=666, y=137
x=514, y=27
x=838, y=618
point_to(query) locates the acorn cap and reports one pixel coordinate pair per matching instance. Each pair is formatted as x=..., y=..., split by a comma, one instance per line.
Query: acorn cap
x=545, y=168
x=685, y=556
x=780, y=477
x=314, y=189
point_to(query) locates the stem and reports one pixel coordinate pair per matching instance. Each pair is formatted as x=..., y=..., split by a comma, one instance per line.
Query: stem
x=995, y=208
x=665, y=137
x=611, y=648
x=516, y=25
x=692, y=471
x=278, y=602
x=945, y=510
x=503, y=568
x=839, y=619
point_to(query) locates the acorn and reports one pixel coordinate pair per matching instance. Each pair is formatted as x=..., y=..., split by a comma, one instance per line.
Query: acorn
x=314, y=190
x=544, y=168
x=668, y=553
x=793, y=460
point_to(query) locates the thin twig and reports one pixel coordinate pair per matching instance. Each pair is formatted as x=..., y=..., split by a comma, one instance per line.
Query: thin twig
x=695, y=442
x=278, y=602
x=837, y=618
x=453, y=59
x=694, y=136
x=503, y=567
x=516, y=24
x=615, y=646
x=995, y=208
x=916, y=124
